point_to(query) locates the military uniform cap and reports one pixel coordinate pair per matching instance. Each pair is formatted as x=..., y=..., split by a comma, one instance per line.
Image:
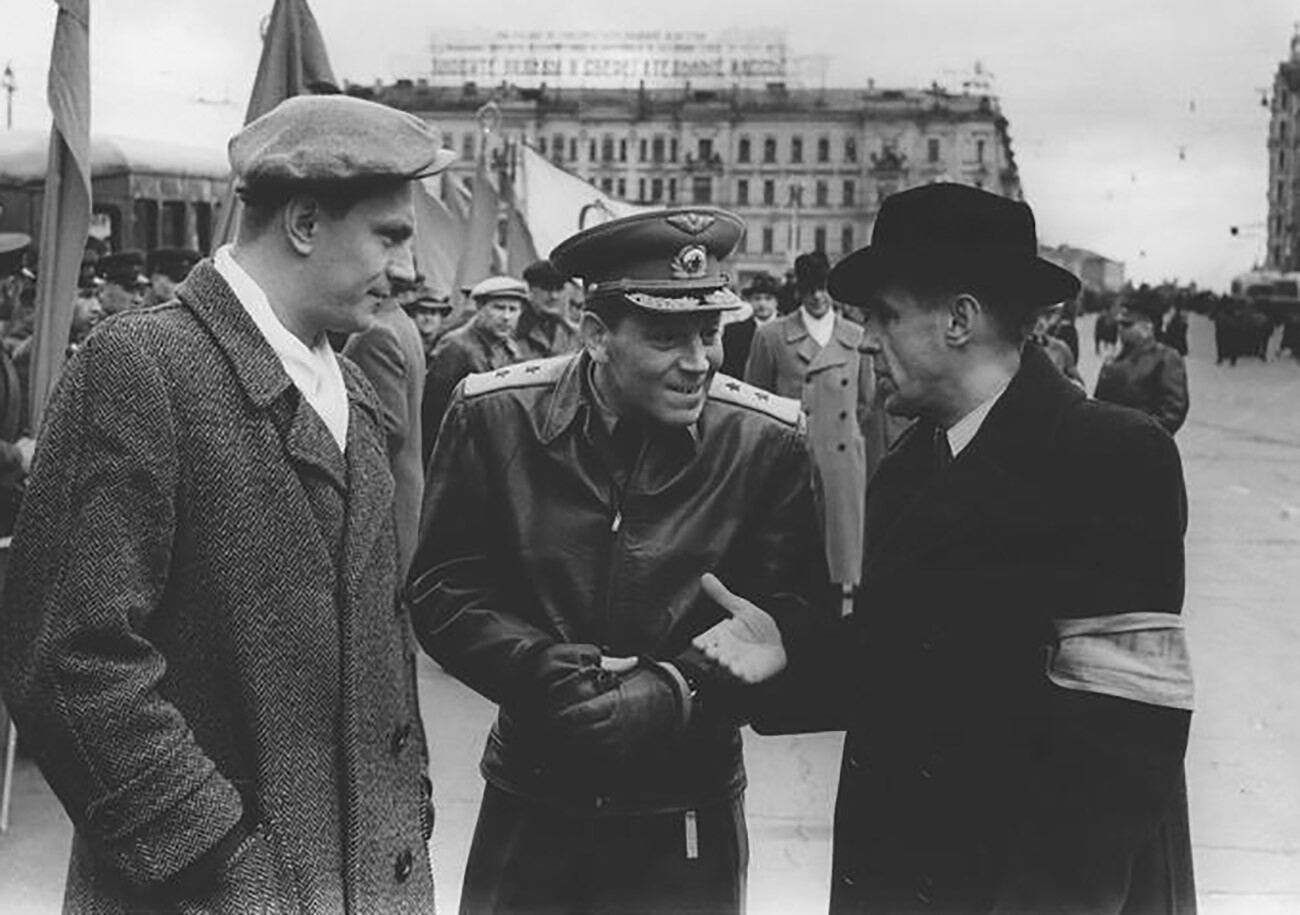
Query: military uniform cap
x=543, y=275
x=173, y=263
x=426, y=298
x=322, y=139
x=499, y=287
x=126, y=268
x=665, y=260
x=13, y=247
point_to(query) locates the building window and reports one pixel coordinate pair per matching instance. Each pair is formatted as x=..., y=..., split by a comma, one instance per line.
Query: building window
x=541, y=146
x=846, y=239
x=557, y=145
x=850, y=191
x=672, y=149
x=642, y=146
x=706, y=150
x=622, y=150
x=607, y=185
x=573, y=149
x=146, y=224
x=173, y=224
x=979, y=150
x=656, y=190
x=823, y=194
x=640, y=189
x=742, y=192
x=607, y=149
x=467, y=147
x=932, y=149
x=591, y=150
x=850, y=149
x=768, y=235
x=819, y=238
x=657, y=149
x=823, y=149
x=769, y=193
x=769, y=150
x=672, y=190
x=622, y=188
x=742, y=150
x=701, y=189
x=796, y=149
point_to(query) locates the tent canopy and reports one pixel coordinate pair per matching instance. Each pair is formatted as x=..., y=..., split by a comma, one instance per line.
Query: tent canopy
x=23, y=156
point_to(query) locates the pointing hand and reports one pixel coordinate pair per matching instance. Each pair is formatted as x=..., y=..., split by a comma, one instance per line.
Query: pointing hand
x=748, y=644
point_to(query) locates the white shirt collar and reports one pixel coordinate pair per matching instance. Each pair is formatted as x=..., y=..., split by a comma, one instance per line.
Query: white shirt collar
x=820, y=329
x=960, y=435
x=313, y=370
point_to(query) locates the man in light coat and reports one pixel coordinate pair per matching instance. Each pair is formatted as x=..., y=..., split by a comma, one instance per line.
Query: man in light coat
x=201, y=639
x=813, y=355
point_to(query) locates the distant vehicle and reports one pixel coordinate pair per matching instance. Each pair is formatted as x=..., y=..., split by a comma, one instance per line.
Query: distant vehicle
x=146, y=194
x=1274, y=293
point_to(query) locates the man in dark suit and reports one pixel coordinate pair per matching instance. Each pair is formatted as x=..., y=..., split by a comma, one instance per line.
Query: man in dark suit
x=1014, y=681
x=738, y=336
x=201, y=638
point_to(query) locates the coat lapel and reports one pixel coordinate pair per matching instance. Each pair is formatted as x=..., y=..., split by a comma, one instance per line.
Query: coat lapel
x=798, y=339
x=838, y=349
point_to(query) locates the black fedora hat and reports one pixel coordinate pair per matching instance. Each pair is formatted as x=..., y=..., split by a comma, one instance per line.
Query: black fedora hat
x=956, y=230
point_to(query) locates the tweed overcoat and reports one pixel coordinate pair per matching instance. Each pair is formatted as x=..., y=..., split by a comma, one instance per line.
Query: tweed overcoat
x=999, y=757
x=836, y=384
x=201, y=641
x=391, y=354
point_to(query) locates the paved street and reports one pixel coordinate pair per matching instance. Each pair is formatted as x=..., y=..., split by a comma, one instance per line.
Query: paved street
x=1241, y=450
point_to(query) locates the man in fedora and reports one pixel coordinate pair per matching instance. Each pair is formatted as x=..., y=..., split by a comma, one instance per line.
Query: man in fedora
x=1015, y=680
x=202, y=640
x=544, y=329
x=738, y=336
x=814, y=355
x=571, y=507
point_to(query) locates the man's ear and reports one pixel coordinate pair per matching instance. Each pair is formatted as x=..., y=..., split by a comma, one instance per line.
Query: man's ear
x=963, y=311
x=302, y=218
x=595, y=336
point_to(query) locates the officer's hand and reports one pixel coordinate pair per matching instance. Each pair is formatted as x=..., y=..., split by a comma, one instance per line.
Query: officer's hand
x=640, y=709
x=748, y=646
x=26, y=449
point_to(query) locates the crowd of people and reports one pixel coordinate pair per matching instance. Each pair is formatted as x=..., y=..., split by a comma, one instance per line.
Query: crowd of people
x=234, y=539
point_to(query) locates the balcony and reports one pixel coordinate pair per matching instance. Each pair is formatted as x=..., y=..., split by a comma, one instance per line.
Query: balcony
x=695, y=164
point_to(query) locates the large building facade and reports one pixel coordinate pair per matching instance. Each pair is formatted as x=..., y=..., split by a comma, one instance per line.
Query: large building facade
x=806, y=167
x=1283, y=170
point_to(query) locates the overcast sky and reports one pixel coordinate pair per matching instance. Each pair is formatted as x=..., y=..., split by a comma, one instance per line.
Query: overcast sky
x=1137, y=124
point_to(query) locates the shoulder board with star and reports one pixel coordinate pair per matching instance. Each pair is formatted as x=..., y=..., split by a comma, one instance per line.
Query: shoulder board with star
x=733, y=391
x=520, y=375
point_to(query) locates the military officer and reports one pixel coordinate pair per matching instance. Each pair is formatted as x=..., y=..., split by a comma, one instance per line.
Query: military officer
x=572, y=506
x=1145, y=374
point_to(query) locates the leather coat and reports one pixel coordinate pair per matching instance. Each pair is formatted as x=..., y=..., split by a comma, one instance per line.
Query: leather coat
x=536, y=558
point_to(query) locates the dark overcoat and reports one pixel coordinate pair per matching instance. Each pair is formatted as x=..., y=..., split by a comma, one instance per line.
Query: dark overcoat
x=1013, y=679
x=201, y=641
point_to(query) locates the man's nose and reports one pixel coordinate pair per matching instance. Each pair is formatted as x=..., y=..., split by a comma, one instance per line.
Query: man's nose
x=401, y=267
x=695, y=356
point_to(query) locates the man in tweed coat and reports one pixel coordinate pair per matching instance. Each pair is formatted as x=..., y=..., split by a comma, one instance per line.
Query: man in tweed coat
x=201, y=641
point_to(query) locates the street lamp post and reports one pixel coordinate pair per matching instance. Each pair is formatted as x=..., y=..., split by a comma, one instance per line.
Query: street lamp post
x=10, y=87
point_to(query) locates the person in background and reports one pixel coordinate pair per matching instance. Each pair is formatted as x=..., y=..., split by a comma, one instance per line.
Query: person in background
x=390, y=353
x=1054, y=348
x=1145, y=375
x=166, y=269
x=16, y=447
x=484, y=343
x=571, y=507
x=202, y=641
x=428, y=308
x=1063, y=328
x=124, y=281
x=1015, y=680
x=544, y=329
x=738, y=336
x=814, y=355
x=1175, y=333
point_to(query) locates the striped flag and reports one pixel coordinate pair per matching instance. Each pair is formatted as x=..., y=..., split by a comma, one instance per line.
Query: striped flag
x=294, y=62
x=65, y=217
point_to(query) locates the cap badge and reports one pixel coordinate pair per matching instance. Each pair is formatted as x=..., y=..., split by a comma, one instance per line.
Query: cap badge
x=692, y=223
x=691, y=262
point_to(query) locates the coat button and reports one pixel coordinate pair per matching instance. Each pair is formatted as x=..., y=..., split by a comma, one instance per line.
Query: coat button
x=844, y=382
x=842, y=446
x=844, y=414
x=403, y=866
x=401, y=735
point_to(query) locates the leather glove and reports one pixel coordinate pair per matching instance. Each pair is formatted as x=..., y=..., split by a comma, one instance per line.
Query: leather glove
x=638, y=709
x=562, y=674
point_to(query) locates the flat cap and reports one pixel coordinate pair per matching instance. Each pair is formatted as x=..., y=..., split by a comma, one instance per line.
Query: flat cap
x=173, y=263
x=335, y=138
x=13, y=248
x=664, y=260
x=499, y=287
x=126, y=268
x=543, y=275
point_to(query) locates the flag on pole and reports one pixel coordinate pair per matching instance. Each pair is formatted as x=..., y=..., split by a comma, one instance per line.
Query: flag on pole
x=479, y=254
x=65, y=216
x=294, y=62
x=439, y=239
x=555, y=204
x=520, y=250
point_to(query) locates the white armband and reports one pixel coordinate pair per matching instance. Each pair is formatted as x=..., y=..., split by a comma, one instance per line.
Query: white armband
x=1140, y=656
